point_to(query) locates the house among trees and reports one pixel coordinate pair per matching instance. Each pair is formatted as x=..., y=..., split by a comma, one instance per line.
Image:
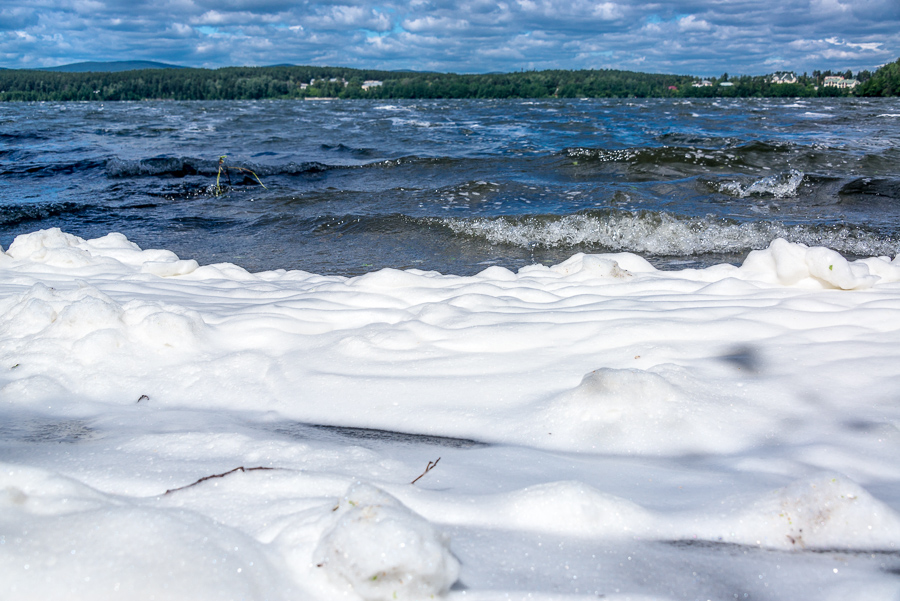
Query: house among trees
x=371, y=83
x=702, y=84
x=836, y=81
x=783, y=77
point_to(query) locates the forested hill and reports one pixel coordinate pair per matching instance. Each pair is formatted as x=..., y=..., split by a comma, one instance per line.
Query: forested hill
x=234, y=83
x=884, y=82
x=298, y=82
x=109, y=66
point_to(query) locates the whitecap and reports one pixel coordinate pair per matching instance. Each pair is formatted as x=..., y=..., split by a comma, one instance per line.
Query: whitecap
x=783, y=185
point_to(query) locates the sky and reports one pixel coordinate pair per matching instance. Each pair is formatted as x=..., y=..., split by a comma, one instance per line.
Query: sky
x=690, y=37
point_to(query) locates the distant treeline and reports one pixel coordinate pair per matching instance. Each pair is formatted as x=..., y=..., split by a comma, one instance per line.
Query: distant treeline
x=884, y=82
x=244, y=83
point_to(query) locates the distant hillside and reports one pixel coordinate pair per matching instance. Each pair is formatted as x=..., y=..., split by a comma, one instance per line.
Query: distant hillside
x=165, y=82
x=109, y=67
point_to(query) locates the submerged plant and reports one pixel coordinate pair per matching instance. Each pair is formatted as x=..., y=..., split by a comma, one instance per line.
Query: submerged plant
x=223, y=168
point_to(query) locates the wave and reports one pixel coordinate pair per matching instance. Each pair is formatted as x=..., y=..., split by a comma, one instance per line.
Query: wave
x=782, y=185
x=23, y=135
x=872, y=186
x=185, y=166
x=663, y=234
x=754, y=154
x=693, y=139
x=349, y=150
x=50, y=169
x=722, y=155
x=16, y=214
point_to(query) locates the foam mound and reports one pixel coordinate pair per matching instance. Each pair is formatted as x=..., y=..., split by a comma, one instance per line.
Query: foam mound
x=383, y=550
x=823, y=512
x=827, y=512
x=63, y=540
x=797, y=264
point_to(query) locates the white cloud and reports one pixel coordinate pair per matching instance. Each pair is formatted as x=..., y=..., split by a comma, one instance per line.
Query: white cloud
x=25, y=36
x=215, y=17
x=181, y=29
x=692, y=23
x=700, y=37
x=437, y=24
x=870, y=46
x=828, y=7
x=350, y=16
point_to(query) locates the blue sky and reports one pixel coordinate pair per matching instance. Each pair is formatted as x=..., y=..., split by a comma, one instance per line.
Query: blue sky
x=695, y=37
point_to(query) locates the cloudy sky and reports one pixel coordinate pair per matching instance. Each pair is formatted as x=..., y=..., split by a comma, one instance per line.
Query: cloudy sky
x=693, y=37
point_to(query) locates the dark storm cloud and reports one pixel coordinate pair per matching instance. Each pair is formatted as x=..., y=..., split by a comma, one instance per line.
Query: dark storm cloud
x=702, y=37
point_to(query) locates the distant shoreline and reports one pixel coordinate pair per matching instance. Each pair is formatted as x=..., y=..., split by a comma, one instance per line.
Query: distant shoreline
x=288, y=82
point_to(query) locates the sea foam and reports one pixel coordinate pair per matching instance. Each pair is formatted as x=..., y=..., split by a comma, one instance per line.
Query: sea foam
x=592, y=427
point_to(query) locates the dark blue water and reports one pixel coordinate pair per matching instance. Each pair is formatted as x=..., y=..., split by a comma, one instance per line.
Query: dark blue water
x=456, y=186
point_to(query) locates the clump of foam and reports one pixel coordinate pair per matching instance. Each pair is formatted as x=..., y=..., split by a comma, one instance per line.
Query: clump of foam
x=58, y=249
x=632, y=409
x=597, y=266
x=383, y=550
x=568, y=507
x=791, y=264
x=823, y=512
x=76, y=314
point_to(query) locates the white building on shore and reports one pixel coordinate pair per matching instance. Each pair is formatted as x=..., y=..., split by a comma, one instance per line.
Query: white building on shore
x=837, y=81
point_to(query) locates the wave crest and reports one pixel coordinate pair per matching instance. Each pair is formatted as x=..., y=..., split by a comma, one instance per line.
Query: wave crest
x=184, y=166
x=783, y=185
x=663, y=234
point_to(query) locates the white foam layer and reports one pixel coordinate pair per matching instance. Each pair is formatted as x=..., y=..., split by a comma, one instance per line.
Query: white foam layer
x=649, y=420
x=63, y=540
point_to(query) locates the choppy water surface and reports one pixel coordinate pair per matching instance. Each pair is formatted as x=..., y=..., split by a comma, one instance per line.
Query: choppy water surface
x=456, y=186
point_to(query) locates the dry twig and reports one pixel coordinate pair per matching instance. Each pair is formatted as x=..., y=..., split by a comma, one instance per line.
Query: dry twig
x=431, y=465
x=223, y=474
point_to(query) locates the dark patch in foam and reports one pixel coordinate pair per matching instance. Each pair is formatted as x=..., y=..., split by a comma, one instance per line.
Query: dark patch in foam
x=744, y=358
x=302, y=431
x=45, y=430
x=734, y=548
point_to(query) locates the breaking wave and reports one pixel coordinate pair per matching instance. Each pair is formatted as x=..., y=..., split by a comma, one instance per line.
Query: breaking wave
x=663, y=234
x=783, y=185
